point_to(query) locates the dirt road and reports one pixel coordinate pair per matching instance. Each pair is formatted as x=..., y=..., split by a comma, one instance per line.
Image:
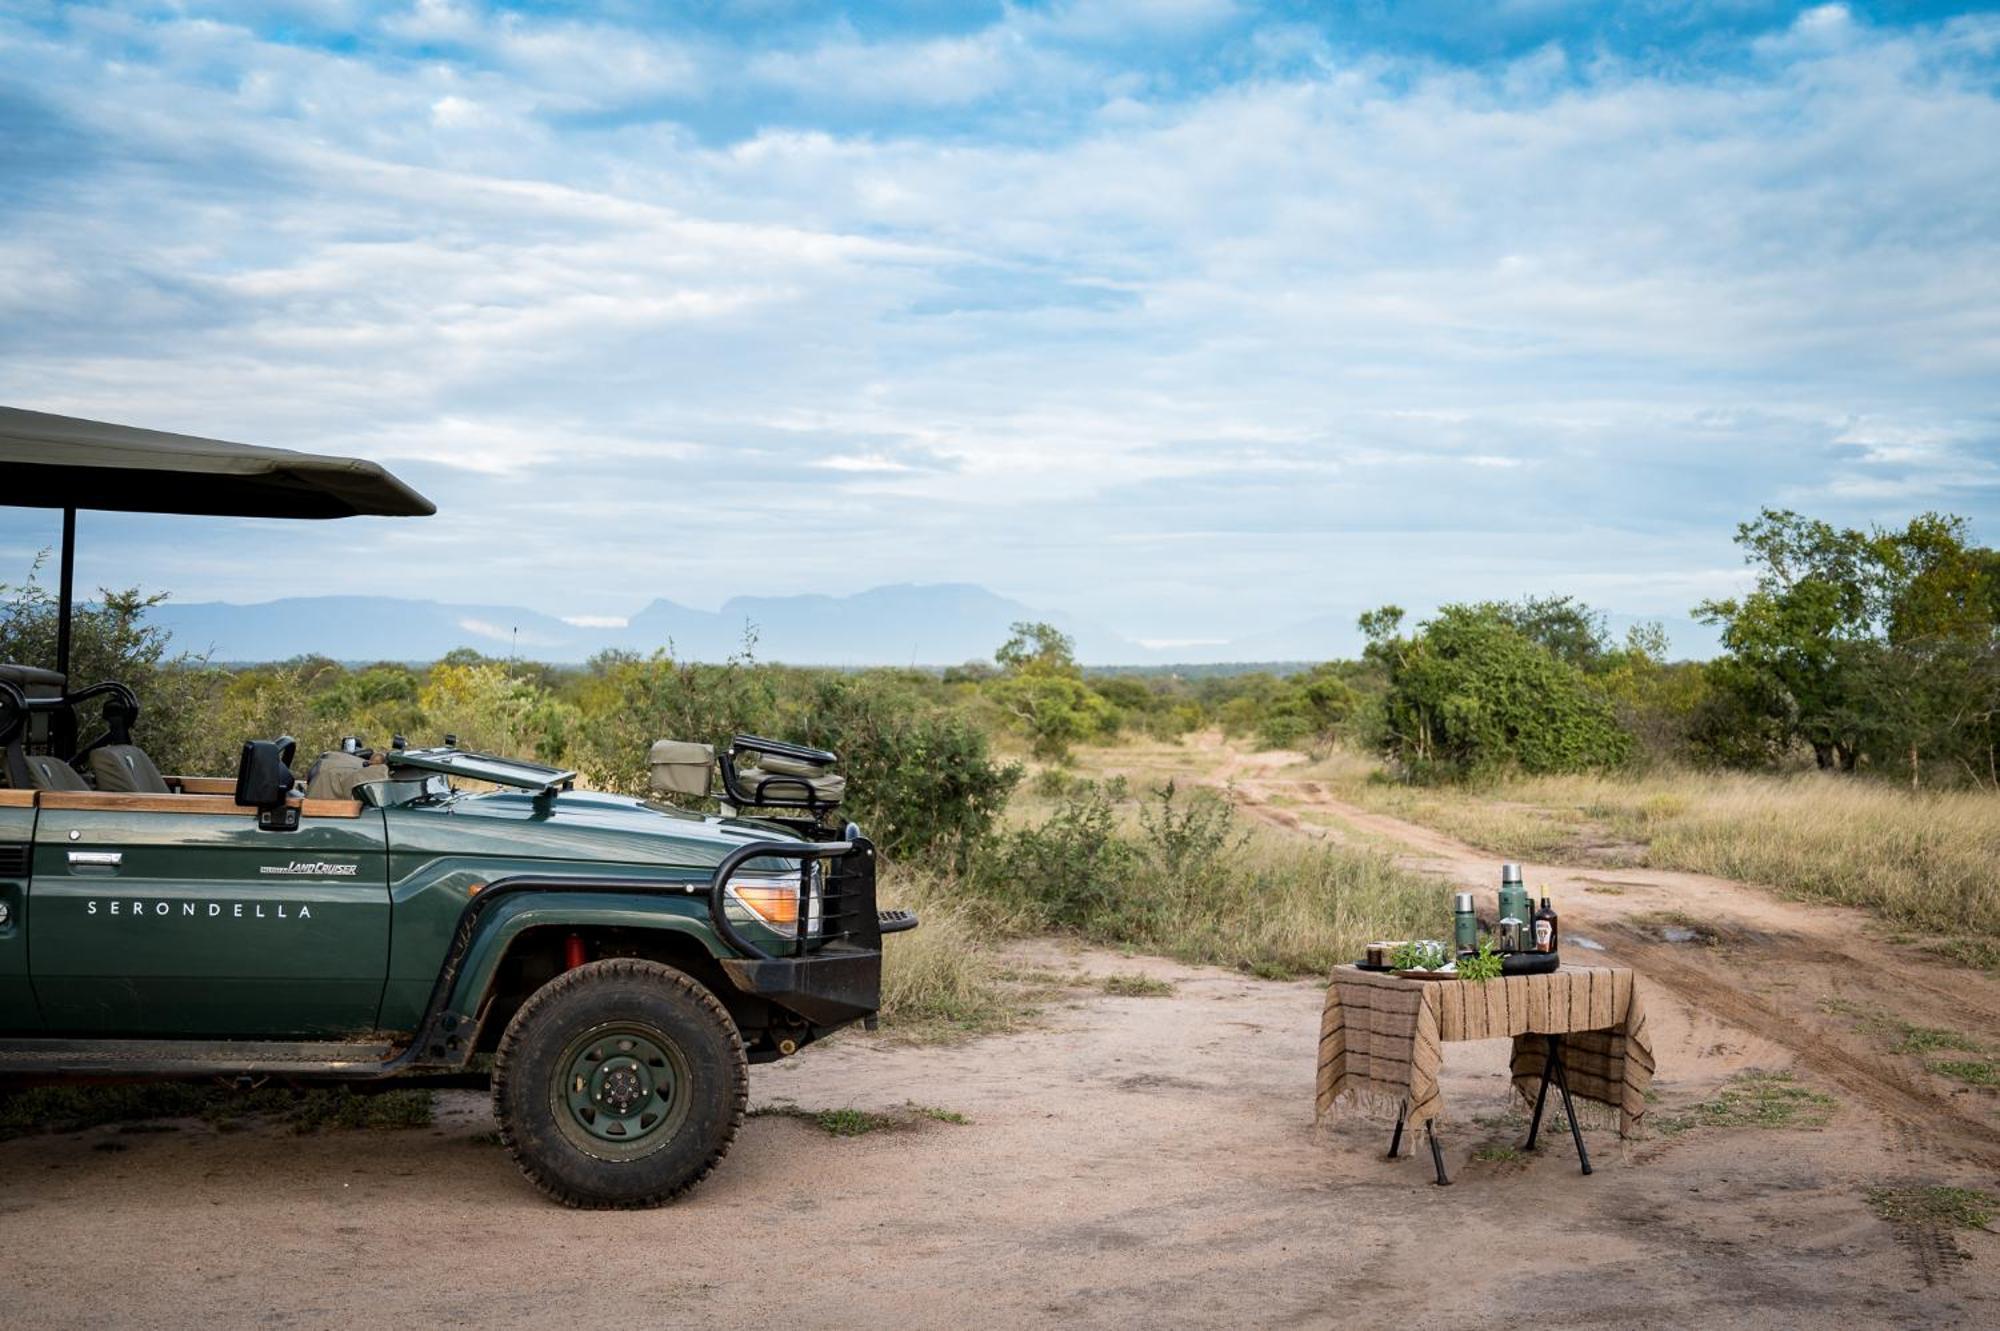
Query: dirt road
x=1820, y=983
x=1128, y=1161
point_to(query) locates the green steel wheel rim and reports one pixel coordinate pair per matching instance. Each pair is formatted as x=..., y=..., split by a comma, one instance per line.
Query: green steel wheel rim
x=622, y=1091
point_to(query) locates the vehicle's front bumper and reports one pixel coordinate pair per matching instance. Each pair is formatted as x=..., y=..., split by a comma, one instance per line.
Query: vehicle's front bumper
x=832, y=987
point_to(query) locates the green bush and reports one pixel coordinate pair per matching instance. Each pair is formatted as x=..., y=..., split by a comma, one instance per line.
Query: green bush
x=924, y=779
x=1074, y=871
x=1471, y=694
x=1197, y=886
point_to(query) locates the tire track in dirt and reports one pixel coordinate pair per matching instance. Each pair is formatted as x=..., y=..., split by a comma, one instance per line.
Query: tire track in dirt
x=1825, y=992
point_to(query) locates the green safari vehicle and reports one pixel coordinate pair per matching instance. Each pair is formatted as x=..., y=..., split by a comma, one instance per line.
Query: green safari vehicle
x=425, y=916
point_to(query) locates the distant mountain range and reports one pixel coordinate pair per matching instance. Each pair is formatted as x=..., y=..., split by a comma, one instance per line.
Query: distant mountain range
x=907, y=624
x=937, y=624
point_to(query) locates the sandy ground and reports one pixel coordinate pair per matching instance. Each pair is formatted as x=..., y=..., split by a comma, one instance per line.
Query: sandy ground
x=1129, y=1161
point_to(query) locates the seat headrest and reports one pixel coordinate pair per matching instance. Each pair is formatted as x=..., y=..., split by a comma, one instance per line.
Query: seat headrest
x=48, y=772
x=124, y=767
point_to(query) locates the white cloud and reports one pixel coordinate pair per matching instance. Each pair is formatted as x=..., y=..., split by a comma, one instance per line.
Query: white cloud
x=506, y=633
x=1260, y=322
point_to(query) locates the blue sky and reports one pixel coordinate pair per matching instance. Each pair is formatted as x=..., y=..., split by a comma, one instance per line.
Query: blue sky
x=1193, y=318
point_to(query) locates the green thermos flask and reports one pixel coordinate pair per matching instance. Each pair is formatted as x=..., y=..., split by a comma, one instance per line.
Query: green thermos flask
x=1514, y=904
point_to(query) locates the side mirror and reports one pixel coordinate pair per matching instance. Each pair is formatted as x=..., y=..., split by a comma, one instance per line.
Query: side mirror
x=264, y=782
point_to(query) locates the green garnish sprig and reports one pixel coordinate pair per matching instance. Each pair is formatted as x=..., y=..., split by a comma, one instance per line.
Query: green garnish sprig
x=1481, y=965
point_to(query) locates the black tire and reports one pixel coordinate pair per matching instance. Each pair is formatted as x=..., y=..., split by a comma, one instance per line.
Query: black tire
x=583, y=1019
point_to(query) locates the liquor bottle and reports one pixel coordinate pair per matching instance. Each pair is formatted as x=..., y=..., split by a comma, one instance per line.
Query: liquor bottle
x=1547, y=930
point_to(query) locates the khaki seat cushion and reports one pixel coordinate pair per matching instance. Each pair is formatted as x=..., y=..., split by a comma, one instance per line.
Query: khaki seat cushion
x=680, y=767
x=335, y=775
x=48, y=772
x=125, y=768
x=826, y=789
x=779, y=765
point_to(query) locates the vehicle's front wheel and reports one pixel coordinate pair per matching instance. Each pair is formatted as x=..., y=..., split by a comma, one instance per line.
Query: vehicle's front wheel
x=619, y=1084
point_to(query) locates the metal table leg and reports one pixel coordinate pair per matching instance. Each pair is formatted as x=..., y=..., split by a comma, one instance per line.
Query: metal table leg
x=1575, y=1128
x=1396, y=1138
x=1542, y=1096
x=1437, y=1156
x=1553, y=1069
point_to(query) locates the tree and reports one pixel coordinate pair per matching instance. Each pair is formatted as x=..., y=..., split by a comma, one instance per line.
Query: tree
x=1794, y=643
x=1381, y=624
x=1471, y=694
x=1041, y=690
x=1037, y=647
x=1875, y=646
x=1306, y=709
x=1566, y=626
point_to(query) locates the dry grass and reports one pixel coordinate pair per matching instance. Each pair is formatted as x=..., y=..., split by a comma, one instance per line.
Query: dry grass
x=1300, y=908
x=1283, y=907
x=939, y=979
x=1921, y=859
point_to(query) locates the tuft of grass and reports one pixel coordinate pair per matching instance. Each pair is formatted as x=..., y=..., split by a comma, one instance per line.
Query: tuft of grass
x=1971, y=1071
x=1978, y=953
x=844, y=1122
x=1949, y=1208
x=1925, y=1039
x=937, y=1115
x=853, y=1122
x=1500, y=1154
x=1902, y=1036
x=1757, y=1100
x=1137, y=986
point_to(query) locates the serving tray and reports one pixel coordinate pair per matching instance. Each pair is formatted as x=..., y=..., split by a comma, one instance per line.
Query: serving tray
x=1511, y=963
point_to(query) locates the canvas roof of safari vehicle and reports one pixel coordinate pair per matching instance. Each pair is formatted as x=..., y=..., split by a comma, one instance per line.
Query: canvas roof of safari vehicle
x=66, y=462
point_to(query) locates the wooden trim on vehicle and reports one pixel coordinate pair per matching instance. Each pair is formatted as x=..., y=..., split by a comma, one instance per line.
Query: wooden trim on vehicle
x=123, y=802
x=204, y=785
x=331, y=808
x=17, y=799
x=119, y=802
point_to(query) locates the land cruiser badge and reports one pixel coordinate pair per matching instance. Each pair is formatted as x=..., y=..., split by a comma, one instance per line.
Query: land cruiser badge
x=311, y=869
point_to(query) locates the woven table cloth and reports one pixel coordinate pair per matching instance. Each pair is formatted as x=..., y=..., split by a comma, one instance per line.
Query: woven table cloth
x=1382, y=1038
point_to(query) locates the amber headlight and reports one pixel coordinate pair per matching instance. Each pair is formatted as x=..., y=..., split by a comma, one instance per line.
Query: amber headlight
x=772, y=900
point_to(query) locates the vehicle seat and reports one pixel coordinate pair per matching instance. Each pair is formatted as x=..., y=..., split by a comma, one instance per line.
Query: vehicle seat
x=45, y=771
x=29, y=731
x=112, y=761
x=788, y=776
x=125, y=768
x=336, y=774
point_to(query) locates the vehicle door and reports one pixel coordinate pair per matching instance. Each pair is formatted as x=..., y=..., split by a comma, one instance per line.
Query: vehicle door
x=177, y=915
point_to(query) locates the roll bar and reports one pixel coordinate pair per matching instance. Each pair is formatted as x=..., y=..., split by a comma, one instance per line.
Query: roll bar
x=119, y=713
x=805, y=852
